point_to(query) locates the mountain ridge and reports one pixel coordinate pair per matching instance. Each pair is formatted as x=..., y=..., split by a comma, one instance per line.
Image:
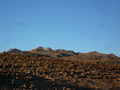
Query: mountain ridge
x=93, y=56
x=61, y=52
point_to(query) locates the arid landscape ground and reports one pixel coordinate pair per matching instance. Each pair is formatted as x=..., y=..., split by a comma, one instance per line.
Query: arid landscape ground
x=47, y=69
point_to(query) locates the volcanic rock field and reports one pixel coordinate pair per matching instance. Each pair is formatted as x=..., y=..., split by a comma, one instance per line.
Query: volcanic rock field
x=29, y=72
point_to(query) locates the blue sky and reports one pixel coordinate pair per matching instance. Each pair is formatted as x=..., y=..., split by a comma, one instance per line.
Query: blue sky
x=79, y=25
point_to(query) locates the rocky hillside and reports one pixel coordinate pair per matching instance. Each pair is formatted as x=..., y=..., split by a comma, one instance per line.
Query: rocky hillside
x=62, y=53
x=70, y=55
x=29, y=72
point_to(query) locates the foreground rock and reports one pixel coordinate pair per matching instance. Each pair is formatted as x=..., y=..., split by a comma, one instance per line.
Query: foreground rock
x=27, y=72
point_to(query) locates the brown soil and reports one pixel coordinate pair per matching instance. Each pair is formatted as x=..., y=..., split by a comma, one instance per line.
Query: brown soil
x=28, y=72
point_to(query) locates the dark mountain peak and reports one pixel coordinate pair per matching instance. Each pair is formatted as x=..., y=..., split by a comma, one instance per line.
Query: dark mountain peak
x=98, y=54
x=59, y=50
x=40, y=49
x=94, y=53
x=14, y=51
x=112, y=55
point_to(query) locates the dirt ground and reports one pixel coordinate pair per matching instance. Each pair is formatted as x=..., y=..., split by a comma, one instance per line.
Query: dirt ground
x=27, y=72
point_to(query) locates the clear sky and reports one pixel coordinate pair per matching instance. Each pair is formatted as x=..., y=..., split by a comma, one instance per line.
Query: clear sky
x=78, y=25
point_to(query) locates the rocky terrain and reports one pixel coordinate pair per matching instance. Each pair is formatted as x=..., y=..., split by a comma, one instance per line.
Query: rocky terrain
x=40, y=72
x=70, y=55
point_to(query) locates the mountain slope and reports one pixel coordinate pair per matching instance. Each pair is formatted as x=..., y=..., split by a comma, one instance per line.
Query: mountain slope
x=14, y=51
x=70, y=55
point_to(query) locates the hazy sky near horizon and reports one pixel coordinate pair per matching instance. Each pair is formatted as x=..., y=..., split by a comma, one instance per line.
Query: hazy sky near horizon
x=79, y=25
